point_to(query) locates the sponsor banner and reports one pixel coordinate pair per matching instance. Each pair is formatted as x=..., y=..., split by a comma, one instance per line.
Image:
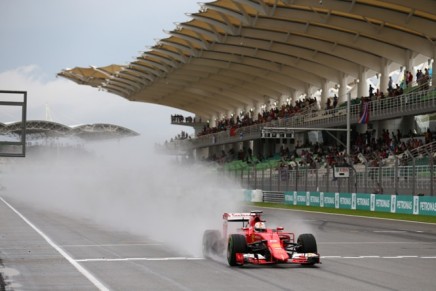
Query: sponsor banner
x=403, y=204
x=345, y=200
x=247, y=195
x=427, y=206
x=301, y=198
x=289, y=198
x=363, y=201
x=382, y=203
x=314, y=199
x=329, y=200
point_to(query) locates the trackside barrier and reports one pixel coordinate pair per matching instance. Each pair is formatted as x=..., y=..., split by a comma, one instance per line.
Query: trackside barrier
x=417, y=205
x=404, y=204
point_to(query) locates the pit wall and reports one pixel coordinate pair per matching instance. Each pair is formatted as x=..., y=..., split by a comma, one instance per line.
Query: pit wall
x=403, y=204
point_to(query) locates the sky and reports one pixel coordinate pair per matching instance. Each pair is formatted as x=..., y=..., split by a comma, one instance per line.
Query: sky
x=40, y=38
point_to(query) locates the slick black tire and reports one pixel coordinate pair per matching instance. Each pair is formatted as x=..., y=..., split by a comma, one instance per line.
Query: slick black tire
x=307, y=243
x=237, y=244
x=212, y=243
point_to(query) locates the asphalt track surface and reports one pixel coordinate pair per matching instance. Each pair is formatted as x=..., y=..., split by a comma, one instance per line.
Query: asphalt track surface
x=48, y=251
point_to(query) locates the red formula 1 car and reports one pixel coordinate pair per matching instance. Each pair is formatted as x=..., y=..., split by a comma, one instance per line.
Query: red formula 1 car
x=253, y=243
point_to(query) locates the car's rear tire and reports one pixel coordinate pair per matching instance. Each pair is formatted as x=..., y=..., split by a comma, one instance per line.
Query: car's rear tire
x=307, y=243
x=213, y=244
x=237, y=244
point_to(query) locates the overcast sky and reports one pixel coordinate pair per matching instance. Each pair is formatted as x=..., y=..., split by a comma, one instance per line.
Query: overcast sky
x=40, y=38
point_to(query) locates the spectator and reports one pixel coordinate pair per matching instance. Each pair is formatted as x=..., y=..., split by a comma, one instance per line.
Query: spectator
x=378, y=189
x=335, y=101
x=409, y=79
x=371, y=91
x=428, y=136
x=390, y=85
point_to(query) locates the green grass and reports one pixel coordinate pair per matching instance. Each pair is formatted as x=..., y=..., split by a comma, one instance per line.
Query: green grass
x=397, y=216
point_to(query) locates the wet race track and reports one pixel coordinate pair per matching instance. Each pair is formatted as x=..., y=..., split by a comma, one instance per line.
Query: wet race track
x=42, y=250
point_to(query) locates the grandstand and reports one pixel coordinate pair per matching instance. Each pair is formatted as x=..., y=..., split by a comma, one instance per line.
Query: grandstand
x=241, y=66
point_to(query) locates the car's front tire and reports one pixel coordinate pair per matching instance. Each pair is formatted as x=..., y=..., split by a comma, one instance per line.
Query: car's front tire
x=307, y=243
x=236, y=244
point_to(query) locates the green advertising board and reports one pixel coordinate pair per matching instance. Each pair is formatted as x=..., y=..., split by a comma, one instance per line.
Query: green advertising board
x=363, y=201
x=404, y=204
x=345, y=201
x=301, y=198
x=328, y=199
x=289, y=198
x=247, y=195
x=427, y=205
x=313, y=199
x=382, y=203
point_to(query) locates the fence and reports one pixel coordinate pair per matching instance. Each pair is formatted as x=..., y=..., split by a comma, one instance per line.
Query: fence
x=403, y=204
x=405, y=180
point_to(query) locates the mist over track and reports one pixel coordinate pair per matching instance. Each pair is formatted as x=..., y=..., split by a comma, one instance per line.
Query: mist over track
x=135, y=221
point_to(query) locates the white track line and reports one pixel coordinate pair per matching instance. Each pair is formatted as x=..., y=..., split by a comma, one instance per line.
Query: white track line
x=110, y=245
x=377, y=257
x=197, y=259
x=349, y=215
x=81, y=269
x=139, y=259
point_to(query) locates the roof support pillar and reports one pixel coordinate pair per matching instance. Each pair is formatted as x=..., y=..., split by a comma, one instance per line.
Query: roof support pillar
x=433, y=77
x=282, y=100
x=362, y=89
x=384, y=79
x=307, y=91
x=257, y=110
x=324, y=94
x=293, y=97
x=433, y=67
x=342, y=89
x=214, y=121
x=409, y=62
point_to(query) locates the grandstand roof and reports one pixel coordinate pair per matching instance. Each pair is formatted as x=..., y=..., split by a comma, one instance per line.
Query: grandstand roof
x=49, y=128
x=236, y=53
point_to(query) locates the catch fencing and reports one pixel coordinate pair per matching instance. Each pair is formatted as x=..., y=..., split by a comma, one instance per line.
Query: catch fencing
x=404, y=180
x=402, y=204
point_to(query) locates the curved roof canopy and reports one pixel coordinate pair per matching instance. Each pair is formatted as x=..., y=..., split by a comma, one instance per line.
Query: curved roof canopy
x=50, y=128
x=235, y=53
x=90, y=76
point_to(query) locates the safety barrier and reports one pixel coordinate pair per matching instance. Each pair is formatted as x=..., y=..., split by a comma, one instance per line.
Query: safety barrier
x=403, y=204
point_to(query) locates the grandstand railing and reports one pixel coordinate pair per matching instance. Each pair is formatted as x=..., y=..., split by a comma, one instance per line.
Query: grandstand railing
x=413, y=103
x=403, y=180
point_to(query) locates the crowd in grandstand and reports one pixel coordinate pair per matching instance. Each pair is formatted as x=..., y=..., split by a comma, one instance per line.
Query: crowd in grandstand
x=246, y=119
x=309, y=103
x=177, y=118
x=181, y=136
x=365, y=147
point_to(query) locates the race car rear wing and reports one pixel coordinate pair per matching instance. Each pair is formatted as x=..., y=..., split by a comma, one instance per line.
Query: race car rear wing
x=241, y=217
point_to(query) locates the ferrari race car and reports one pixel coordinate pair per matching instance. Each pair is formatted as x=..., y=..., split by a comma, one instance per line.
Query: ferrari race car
x=253, y=243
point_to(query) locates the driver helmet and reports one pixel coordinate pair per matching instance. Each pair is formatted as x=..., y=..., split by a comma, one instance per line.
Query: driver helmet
x=259, y=226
